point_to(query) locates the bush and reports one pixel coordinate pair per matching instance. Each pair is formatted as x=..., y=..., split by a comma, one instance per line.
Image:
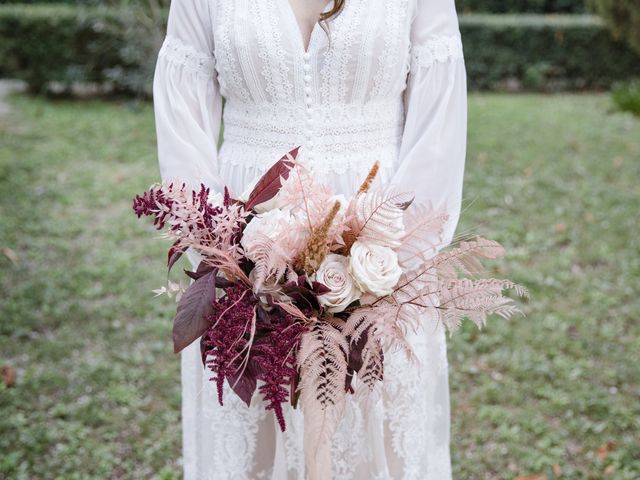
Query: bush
x=558, y=52
x=622, y=17
x=45, y=43
x=521, y=6
x=59, y=43
x=626, y=96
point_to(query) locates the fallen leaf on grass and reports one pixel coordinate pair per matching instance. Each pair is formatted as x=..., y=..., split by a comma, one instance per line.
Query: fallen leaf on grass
x=618, y=162
x=557, y=470
x=604, y=450
x=560, y=227
x=8, y=376
x=11, y=255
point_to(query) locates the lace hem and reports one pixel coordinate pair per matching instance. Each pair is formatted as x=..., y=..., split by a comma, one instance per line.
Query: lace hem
x=441, y=48
x=176, y=51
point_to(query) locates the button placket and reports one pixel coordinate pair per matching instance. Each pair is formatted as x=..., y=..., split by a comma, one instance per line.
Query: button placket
x=308, y=100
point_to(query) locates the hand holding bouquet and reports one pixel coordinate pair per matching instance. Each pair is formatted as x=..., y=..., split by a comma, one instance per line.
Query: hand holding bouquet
x=300, y=291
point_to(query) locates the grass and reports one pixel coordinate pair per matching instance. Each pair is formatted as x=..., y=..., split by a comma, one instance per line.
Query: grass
x=554, y=178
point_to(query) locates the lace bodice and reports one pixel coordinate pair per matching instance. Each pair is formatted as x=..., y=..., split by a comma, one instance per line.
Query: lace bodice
x=357, y=93
x=386, y=83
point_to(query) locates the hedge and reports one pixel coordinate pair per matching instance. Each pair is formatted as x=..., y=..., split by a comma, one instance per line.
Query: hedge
x=554, y=52
x=465, y=6
x=66, y=44
x=521, y=6
x=58, y=43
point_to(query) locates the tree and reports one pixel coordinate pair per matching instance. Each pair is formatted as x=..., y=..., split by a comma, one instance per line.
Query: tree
x=622, y=17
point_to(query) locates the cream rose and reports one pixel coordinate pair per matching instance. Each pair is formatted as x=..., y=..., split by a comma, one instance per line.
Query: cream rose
x=374, y=267
x=334, y=274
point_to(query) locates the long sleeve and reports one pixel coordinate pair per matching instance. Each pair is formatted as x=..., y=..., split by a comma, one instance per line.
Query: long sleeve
x=186, y=98
x=433, y=148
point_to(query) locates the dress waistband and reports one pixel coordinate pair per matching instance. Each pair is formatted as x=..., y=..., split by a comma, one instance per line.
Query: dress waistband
x=330, y=128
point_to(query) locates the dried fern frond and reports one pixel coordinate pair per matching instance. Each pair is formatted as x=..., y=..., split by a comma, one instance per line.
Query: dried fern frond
x=417, y=285
x=423, y=234
x=303, y=194
x=224, y=261
x=386, y=322
x=322, y=360
x=371, y=373
x=378, y=216
x=464, y=258
x=476, y=299
x=271, y=260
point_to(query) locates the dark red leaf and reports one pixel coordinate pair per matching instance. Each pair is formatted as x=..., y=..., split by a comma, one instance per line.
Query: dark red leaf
x=269, y=185
x=302, y=295
x=201, y=270
x=355, y=352
x=227, y=200
x=175, y=252
x=196, y=303
x=320, y=288
x=246, y=384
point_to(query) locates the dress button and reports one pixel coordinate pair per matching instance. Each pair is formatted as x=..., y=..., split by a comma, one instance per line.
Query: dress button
x=307, y=90
x=306, y=67
x=309, y=111
x=306, y=55
x=308, y=100
x=307, y=78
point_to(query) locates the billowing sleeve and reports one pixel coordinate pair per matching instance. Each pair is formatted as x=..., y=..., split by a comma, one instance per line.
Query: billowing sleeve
x=433, y=147
x=186, y=98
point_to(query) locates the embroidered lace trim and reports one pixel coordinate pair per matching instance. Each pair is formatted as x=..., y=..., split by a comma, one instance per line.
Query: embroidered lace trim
x=440, y=48
x=176, y=51
x=341, y=138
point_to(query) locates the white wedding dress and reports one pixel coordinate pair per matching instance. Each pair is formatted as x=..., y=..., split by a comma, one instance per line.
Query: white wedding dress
x=390, y=85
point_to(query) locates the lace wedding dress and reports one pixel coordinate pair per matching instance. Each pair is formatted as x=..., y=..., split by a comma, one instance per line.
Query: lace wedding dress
x=387, y=83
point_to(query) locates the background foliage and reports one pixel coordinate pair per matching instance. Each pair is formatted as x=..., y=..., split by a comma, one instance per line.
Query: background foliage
x=543, y=52
x=622, y=17
x=118, y=46
x=66, y=44
x=521, y=6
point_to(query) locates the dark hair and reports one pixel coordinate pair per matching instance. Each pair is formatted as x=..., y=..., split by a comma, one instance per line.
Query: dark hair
x=337, y=7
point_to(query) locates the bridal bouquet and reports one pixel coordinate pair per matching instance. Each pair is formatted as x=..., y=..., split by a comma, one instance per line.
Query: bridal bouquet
x=300, y=291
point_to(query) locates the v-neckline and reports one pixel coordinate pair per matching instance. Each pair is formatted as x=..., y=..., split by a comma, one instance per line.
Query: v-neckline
x=296, y=26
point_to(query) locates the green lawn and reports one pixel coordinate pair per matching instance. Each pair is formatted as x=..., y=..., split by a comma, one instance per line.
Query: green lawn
x=556, y=179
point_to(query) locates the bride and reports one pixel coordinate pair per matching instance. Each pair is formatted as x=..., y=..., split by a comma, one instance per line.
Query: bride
x=351, y=82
